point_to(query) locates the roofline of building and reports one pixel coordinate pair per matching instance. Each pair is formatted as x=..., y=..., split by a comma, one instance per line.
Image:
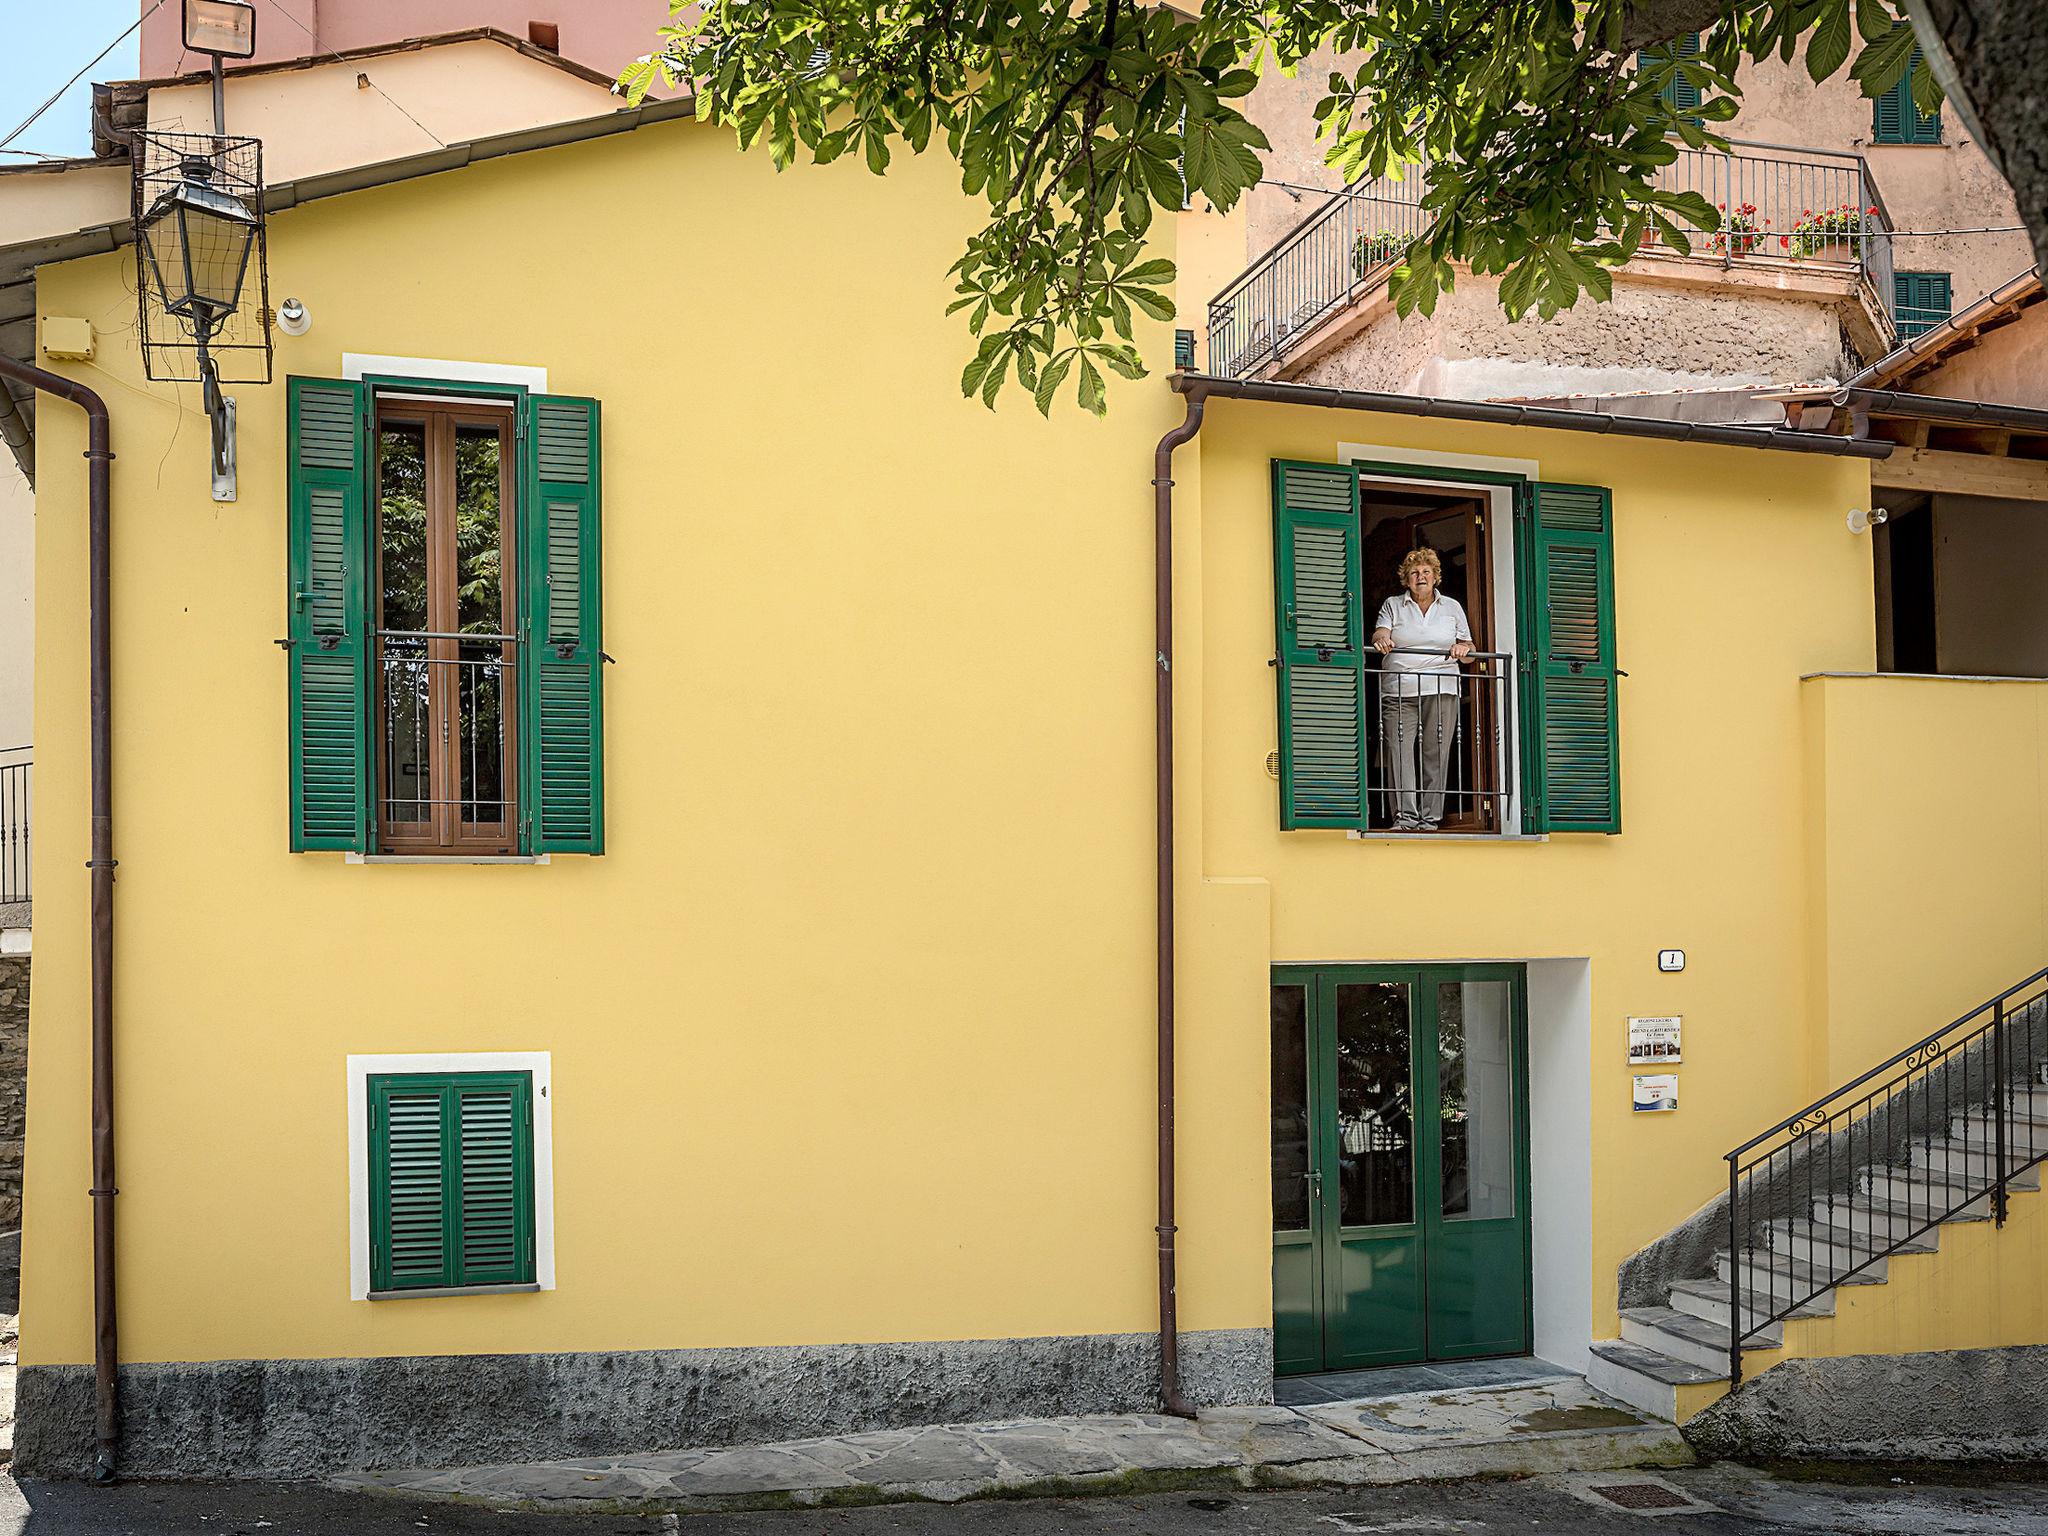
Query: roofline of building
x=1930, y=345
x=373, y=50
x=1784, y=439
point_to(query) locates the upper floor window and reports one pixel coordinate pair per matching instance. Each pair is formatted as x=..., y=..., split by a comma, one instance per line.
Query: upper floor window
x=1896, y=119
x=1446, y=651
x=1920, y=302
x=446, y=688
x=1681, y=94
x=445, y=657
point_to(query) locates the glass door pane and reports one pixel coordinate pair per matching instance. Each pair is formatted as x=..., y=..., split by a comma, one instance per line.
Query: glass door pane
x=1476, y=1099
x=1375, y=1105
x=1290, y=1109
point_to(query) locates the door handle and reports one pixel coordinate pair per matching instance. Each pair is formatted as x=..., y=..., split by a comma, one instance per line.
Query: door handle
x=1315, y=1183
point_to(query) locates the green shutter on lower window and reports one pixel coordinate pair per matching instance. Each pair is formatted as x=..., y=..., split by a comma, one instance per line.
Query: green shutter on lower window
x=451, y=1180
x=327, y=474
x=1321, y=645
x=564, y=692
x=1572, y=747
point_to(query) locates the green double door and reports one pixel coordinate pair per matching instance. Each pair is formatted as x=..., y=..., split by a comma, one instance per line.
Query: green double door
x=1400, y=1165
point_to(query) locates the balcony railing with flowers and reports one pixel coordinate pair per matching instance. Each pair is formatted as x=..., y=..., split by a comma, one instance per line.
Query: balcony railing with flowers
x=1775, y=205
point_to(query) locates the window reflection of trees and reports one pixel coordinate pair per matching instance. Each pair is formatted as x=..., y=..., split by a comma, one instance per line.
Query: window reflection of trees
x=1375, y=1105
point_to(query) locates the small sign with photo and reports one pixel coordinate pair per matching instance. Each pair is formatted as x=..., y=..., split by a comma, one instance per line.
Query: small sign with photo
x=1653, y=1042
x=1656, y=1093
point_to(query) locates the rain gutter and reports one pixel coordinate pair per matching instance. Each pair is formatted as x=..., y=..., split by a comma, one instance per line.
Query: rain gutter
x=106, y=1353
x=1785, y=439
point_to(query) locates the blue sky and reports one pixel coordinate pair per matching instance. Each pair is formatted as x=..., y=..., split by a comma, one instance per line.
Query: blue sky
x=45, y=41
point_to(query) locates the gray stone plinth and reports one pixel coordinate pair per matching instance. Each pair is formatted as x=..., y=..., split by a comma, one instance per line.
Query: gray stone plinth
x=1950, y=1405
x=299, y=1418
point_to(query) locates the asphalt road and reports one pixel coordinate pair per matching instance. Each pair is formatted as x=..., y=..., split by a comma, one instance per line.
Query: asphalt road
x=1716, y=1501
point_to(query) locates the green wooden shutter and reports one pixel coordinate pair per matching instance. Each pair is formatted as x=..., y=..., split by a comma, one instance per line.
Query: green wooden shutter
x=564, y=685
x=328, y=476
x=1681, y=93
x=1572, y=749
x=1920, y=302
x=451, y=1180
x=1322, y=682
x=412, y=1174
x=1894, y=119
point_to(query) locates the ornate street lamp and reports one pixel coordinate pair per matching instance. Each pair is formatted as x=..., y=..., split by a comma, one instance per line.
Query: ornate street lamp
x=195, y=239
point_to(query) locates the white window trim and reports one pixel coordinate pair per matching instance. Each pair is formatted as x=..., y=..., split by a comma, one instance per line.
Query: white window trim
x=360, y=365
x=361, y=1068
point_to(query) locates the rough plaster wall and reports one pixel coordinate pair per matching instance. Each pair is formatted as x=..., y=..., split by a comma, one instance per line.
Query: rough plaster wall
x=1946, y=186
x=1647, y=337
x=2004, y=366
x=1961, y=1405
x=1284, y=107
x=13, y=1086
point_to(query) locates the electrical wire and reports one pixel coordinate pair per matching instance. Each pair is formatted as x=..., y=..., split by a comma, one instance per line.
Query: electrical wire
x=117, y=42
x=277, y=6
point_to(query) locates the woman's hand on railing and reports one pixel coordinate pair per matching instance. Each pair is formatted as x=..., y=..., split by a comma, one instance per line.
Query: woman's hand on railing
x=1461, y=650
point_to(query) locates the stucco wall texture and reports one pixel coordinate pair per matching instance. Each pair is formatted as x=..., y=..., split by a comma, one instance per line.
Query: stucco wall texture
x=602, y=36
x=1648, y=336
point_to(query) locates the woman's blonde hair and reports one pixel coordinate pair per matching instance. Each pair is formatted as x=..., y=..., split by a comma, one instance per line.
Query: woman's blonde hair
x=1421, y=557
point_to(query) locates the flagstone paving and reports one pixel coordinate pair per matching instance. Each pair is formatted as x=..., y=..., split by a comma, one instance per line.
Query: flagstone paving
x=1546, y=1426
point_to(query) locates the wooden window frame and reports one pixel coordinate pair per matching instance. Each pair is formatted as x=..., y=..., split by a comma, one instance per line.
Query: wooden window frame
x=445, y=833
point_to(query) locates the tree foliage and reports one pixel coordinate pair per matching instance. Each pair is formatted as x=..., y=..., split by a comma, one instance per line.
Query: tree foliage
x=1078, y=122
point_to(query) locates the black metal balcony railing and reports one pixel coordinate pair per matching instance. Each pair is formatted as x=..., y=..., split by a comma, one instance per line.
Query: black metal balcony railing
x=1937, y=1132
x=14, y=809
x=1440, y=760
x=1777, y=205
x=445, y=745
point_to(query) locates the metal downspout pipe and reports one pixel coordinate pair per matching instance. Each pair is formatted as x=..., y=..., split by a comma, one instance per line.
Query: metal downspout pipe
x=98, y=456
x=1162, y=753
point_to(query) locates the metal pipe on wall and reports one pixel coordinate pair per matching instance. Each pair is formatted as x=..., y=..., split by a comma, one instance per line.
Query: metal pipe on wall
x=1170, y=1396
x=106, y=1352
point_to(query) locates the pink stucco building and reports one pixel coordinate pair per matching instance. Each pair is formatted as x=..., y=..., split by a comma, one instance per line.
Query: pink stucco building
x=601, y=34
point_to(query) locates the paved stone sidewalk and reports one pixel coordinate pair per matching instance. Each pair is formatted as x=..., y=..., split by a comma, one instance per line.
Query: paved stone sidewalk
x=1555, y=1425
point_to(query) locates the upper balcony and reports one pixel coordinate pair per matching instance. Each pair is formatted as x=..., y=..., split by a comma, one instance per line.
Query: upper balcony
x=1801, y=223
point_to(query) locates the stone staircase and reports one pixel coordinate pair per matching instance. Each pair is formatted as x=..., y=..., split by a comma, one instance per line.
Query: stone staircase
x=1672, y=1360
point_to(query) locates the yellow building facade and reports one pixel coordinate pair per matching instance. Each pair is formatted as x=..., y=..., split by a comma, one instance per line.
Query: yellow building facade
x=840, y=1056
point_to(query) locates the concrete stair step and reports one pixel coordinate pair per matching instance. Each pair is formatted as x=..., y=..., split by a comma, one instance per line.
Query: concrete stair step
x=1685, y=1337
x=1972, y=1163
x=1868, y=1218
x=1789, y=1279
x=1708, y=1300
x=1978, y=1128
x=1846, y=1237
x=1646, y=1379
x=1919, y=1195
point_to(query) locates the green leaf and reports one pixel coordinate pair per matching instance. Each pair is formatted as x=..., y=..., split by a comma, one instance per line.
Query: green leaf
x=1828, y=49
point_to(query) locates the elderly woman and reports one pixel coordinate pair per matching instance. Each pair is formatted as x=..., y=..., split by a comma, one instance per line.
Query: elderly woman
x=1422, y=636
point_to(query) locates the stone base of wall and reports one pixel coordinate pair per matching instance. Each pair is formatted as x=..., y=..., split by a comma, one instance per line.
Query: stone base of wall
x=1952, y=1405
x=13, y=1087
x=300, y=1418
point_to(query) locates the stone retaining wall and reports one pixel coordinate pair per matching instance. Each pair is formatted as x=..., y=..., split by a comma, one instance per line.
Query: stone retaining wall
x=13, y=1084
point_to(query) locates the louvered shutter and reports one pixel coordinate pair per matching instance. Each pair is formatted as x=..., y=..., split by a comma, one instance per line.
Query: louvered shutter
x=1574, y=773
x=1322, y=683
x=496, y=1194
x=564, y=688
x=451, y=1180
x=327, y=492
x=1895, y=119
x=1680, y=92
x=412, y=1173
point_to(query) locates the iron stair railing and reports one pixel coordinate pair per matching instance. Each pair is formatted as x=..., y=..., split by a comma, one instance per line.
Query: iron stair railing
x=1940, y=1130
